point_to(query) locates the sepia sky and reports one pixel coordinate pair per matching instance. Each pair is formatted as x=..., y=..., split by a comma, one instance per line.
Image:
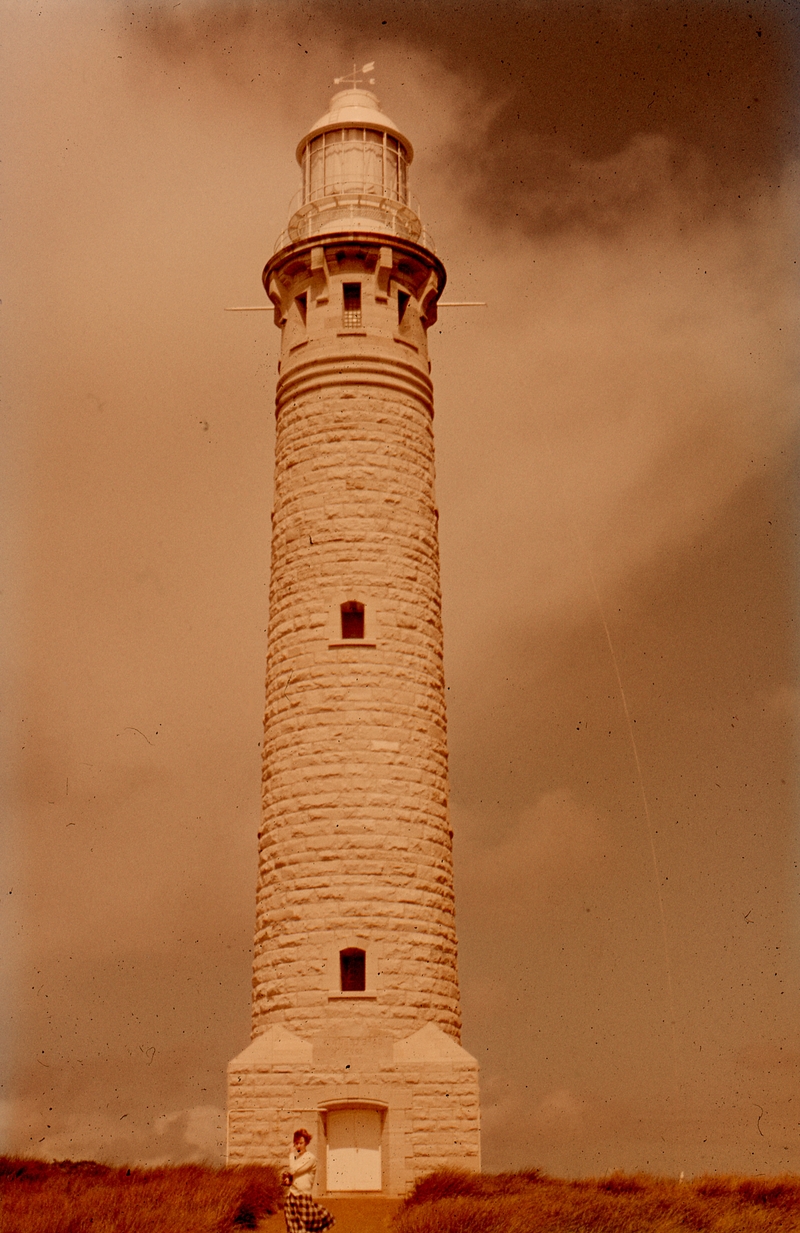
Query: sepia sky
x=616, y=465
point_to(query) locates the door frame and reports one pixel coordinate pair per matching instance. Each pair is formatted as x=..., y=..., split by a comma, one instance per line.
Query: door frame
x=356, y=1102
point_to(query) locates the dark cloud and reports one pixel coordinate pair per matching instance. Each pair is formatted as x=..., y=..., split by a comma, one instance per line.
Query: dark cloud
x=557, y=98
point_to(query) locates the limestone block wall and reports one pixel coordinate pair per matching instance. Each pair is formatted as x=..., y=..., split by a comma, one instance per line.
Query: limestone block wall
x=427, y=1089
x=355, y=849
x=355, y=842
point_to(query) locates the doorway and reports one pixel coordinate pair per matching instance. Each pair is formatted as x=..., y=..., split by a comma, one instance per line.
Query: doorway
x=354, y=1149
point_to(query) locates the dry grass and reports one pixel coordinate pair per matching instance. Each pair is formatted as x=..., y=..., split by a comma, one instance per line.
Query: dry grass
x=86, y=1197
x=449, y=1201
x=81, y=1196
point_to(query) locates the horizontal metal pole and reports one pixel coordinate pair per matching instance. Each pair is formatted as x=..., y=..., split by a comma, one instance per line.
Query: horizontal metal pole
x=267, y=308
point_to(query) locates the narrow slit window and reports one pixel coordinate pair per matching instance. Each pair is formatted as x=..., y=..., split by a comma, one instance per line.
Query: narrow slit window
x=353, y=970
x=352, y=619
x=352, y=305
x=402, y=304
x=302, y=306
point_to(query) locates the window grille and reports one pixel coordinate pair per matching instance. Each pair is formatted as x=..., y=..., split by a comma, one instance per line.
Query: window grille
x=352, y=305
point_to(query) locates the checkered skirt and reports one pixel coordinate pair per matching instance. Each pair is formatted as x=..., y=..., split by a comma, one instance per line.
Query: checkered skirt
x=303, y=1215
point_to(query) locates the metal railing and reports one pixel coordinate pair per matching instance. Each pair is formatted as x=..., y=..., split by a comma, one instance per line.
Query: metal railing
x=352, y=188
x=354, y=211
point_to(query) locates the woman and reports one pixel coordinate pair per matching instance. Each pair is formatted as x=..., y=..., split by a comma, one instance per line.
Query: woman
x=302, y=1214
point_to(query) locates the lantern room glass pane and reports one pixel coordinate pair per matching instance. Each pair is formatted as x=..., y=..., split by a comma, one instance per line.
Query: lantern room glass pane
x=316, y=176
x=390, y=180
x=333, y=166
x=353, y=162
x=402, y=180
x=373, y=162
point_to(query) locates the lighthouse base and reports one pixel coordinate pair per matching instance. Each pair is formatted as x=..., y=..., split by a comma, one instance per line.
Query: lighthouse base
x=383, y=1112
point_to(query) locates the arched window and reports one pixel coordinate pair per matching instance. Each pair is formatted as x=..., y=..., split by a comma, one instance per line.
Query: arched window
x=353, y=970
x=352, y=619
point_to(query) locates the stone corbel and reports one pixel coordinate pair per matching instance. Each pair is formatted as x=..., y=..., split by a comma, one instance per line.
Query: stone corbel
x=319, y=275
x=428, y=300
x=275, y=293
x=383, y=273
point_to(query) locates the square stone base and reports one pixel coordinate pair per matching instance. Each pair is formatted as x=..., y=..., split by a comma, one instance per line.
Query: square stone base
x=425, y=1088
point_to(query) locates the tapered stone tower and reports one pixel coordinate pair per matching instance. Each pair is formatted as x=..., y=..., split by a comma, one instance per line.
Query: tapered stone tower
x=356, y=1016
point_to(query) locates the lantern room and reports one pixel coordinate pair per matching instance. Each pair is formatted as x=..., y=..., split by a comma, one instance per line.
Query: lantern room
x=355, y=172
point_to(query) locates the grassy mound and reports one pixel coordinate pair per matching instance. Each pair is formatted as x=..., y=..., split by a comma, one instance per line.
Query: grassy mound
x=82, y=1196
x=449, y=1201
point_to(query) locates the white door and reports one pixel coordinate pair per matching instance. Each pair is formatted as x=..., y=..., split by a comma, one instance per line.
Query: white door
x=354, y=1149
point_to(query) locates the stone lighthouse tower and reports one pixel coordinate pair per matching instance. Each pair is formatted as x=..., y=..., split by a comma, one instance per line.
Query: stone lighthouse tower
x=356, y=1015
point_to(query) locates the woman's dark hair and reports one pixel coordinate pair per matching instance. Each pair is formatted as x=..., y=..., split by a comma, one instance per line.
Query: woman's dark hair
x=301, y=1134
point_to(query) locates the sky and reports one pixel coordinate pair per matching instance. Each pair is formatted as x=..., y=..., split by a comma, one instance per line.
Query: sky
x=616, y=438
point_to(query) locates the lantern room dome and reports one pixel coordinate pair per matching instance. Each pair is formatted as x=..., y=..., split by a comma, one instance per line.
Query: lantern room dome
x=355, y=109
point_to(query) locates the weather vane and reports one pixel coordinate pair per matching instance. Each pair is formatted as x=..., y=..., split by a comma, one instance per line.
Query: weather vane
x=353, y=79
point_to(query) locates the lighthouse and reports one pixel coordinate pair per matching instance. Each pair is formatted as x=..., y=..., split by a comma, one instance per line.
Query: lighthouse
x=356, y=1011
